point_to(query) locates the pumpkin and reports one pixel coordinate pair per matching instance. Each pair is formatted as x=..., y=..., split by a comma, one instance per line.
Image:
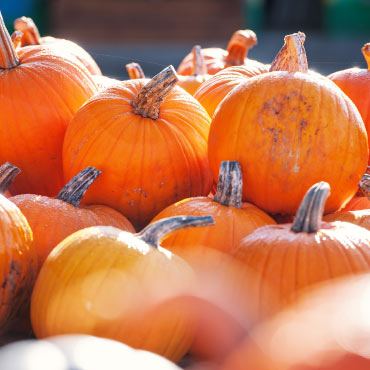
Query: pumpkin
x=361, y=199
x=289, y=136
x=285, y=259
x=126, y=287
x=360, y=217
x=233, y=219
x=103, y=82
x=31, y=36
x=83, y=352
x=217, y=59
x=355, y=83
x=17, y=39
x=212, y=92
x=199, y=75
x=36, y=111
x=8, y=172
x=17, y=260
x=53, y=219
x=159, y=154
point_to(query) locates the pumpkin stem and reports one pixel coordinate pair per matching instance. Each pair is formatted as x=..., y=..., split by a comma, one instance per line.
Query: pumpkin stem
x=292, y=56
x=31, y=34
x=75, y=189
x=240, y=43
x=309, y=215
x=8, y=172
x=200, y=68
x=230, y=184
x=365, y=185
x=17, y=39
x=366, y=53
x=149, y=99
x=134, y=71
x=8, y=55
x=155, y=232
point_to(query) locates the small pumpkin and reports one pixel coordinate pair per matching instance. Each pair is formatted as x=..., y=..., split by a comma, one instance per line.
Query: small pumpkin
x=31, y=36
x=361, y=199
x=355, y=83
x=159, y=155
x=273, y=125
x=37, y=110
x=8, y=173
x=217, y=59
x=286, y=259
x=233, y=219
x=53, y=219
x=126, y=287
x=199, y=75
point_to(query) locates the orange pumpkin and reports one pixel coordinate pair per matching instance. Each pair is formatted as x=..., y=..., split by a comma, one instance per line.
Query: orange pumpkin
x=37, y=110
x=8, y=172
x=53, y=219
x=361, y=199
x=199, y=75
x=125, y=287
x=18, y=262
x=273, y=125
x=159, y=154
x=212, y=92
x=360, y=217
x=233, y=219
x=31, y=36
x=355, y=82
x=217, y=59
x=286, y=259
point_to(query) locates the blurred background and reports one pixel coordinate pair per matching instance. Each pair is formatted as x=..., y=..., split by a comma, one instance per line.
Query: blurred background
x=156, y=33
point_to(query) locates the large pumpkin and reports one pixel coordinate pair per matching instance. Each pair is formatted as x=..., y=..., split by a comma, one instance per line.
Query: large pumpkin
x=111, y=283
x=286, y=259
x=53, y=219
x=159, y=152
x=355, y=82
x=217, y=59
x=283, y=138
x=31, y=36
x=42, y=91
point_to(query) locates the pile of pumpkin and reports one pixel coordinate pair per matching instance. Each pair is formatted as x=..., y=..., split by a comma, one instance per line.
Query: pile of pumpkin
x=219, y=211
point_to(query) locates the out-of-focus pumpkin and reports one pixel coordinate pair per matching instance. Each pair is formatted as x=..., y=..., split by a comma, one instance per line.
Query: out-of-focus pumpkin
x=217, y=59
x=192, y=82
x=43, y=91
x=355, y=83
x=233, y=219
x=111, y=283
x=285, y=259
x=159, y=154
x=361, y=200
x=53, y=219
x=283, y=139
x=8, y=172
x=31, y=36
x=212, y=92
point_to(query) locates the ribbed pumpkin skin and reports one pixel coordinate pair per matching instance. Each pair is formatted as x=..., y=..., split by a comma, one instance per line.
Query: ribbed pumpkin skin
x=18, y=262
x=280, y=127
x=104, y=282
x=42, y=95
x=52, y=220
x=212, y=91
x=357, y=203
x=285, y=263
x=359, y=217
x=231, y=225
x=147, y=164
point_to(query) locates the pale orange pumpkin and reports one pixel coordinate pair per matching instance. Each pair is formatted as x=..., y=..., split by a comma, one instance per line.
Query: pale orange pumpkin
x=159, y=154
x=113, y=284
x=283, y=139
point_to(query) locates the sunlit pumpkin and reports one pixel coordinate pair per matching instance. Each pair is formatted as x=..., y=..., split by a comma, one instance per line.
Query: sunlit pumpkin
x=8, y=172
x=113, y=284
x=273, y=125
x=159, y=154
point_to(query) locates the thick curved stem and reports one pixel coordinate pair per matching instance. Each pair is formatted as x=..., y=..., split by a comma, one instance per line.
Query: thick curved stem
x=8, y=54
x=31, y=34
x=366, y=53
x=73, y=192
x=200, y=68
x=230, y=184
x=309, y=215
x=17, y=39
x=149, y=99
x=156, y=231
x=134, y=71
x=365, y=185
x=238, y=47
x=292, y=56
x=8, y=172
